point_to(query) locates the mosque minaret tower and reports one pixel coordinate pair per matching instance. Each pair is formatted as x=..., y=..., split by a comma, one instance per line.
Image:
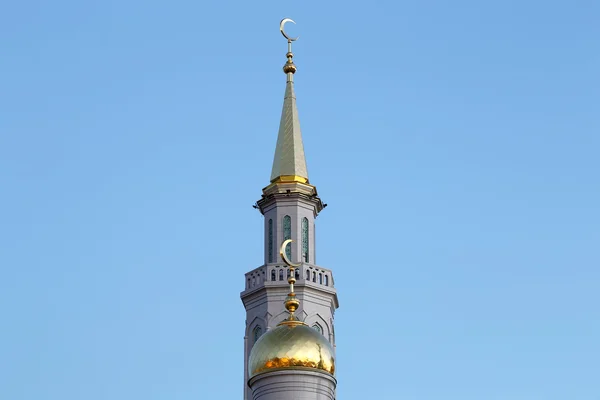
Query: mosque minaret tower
x=290, y=301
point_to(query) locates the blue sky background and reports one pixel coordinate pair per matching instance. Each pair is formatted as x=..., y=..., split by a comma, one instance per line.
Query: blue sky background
x=456, y=143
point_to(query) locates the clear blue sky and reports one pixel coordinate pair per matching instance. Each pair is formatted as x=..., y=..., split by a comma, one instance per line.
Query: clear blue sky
x=456, y=143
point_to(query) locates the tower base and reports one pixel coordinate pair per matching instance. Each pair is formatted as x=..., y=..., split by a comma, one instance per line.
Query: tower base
x=293, y=384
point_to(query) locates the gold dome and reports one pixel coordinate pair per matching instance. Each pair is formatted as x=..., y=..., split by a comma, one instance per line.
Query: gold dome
x=292, y=344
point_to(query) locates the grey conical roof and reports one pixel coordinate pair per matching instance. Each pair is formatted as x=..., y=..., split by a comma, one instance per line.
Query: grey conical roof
x=289, y=154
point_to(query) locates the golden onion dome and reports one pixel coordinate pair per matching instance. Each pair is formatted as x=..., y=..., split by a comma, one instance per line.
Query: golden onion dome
x=292, y=344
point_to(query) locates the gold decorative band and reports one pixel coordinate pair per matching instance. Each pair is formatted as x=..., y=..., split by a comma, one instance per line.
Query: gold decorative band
x=290, y=178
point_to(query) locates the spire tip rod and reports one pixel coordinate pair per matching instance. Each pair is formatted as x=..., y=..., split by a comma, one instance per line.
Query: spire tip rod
x=289, y=67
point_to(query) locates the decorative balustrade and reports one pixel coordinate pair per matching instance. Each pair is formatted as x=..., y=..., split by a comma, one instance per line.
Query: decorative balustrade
x=280, y=273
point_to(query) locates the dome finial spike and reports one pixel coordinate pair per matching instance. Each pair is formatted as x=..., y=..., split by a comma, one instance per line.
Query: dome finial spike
x=289, y=68
x=291, y=302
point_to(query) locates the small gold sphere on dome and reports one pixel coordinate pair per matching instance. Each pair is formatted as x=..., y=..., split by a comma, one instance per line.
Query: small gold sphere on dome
x=291, y=303
x=289, y=67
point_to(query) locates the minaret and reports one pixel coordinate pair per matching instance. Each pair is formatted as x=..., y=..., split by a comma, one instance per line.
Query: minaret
x=290, y=205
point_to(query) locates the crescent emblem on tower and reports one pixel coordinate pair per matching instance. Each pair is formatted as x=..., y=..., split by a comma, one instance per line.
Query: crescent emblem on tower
x=284, y=256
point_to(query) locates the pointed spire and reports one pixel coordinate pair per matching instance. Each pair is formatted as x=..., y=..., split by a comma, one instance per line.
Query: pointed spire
x=289, y=164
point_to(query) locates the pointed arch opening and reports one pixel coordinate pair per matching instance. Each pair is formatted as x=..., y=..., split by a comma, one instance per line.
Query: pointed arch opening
x=305, y=239
x=317, y=328
x=273, y=275
x=270, y=241
x=287, y=234
x=280, y=274
x=256, y=333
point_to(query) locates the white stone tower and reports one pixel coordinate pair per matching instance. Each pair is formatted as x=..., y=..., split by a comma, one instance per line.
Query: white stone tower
x=290, y=205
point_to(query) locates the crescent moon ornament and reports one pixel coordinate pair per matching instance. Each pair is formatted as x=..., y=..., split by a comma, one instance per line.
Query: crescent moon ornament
x=282, y=29
x=284, y=256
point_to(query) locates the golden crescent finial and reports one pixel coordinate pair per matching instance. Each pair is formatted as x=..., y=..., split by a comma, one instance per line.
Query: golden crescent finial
x=284, y=256
x=282, y=29
x=291, y=302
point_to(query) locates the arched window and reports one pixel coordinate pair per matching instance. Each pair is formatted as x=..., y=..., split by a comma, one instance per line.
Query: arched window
x=320, y=278
x=318, y=328
x=326, y=280
x=253, y=282
x=288, y=273
x=297, y=273
x=270, y=242
x=280, y=274
x=305, y=239
x=248, y=282
x=287, y=234
x=314, y=276
x=257, y=332
x=273, y=275
x=307, y=275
